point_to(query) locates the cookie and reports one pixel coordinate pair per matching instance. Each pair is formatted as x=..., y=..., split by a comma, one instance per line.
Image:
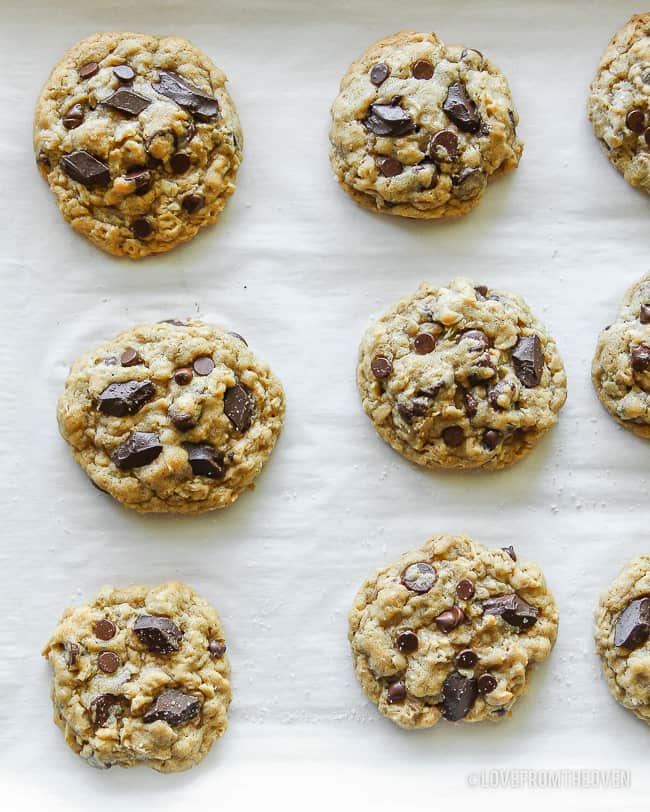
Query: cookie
x=622, y=630
x=618, y=104
x=139, y=141
x=420, y=127
x=451, y=630
x=461, y=376
x=172, y=417
x=621, y=366
x=140, y=676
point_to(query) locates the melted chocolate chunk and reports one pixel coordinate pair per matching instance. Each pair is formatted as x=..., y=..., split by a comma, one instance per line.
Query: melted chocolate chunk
x=140, y=449
x=419, y=577
x=101, y=708
x=85, y=168
x=159, y=634
x=238, y=408
x=186, y=95
x=205, y=460
x=74, y=117
x=388, y=119
x=444, y=146
x=461, y=109
x=513, y=609
x=183, y=421
x=458, y=696
x=528, y=360
x=141, y=179
x=173, y=707
x=120, y=399
x=469, y=183
x=633, y=624
x=127, y=101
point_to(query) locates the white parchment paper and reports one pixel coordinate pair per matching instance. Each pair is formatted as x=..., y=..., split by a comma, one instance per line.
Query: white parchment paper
x=299, y=270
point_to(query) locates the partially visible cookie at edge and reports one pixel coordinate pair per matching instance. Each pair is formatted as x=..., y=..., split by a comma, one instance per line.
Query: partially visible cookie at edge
x=172, y=417
x=621, y=366
x=140, y=676
x=619, y=101
x=419, y=127
x=451, y=631
x=139, y=141
x=462, y=376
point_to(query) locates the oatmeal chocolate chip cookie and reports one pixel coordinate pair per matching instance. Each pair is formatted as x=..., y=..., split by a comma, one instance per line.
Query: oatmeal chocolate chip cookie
x=460, y=377
x=451, y=630
x=621, y=366
x=140, y=676
x=139, y=141
x=419, y=127
x=172, y=417
x=619, y=103
x=622, y=634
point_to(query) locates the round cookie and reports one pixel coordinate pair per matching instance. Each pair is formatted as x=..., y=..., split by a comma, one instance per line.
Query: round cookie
x=451, y=630
x=621, y=366
x=460, y=377
x=172, y=417
x=140, y=676
x=419, y=127
x=622, y=630
x=139, y=141
x=619, y=102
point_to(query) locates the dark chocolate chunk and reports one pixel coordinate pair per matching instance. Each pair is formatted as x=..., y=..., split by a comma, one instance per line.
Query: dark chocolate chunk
x=388, y=119
x=130, y=357
x=469, y=183
x=477, y=337
x=379, y=73
x=640, y=358
x=74, y=117
x=141, y=179
x=453, y=436
x=85, y=168
x=502, y=388
x=458, y=696
x=142, y=228
x=486, y=683
x=407, y=641
x=419, y=577
x=71, y=654
x=465, y=589
x=449, y=619
x=108, y=662
x=127, y=101
x=443, y=146
x=396, y=692
x=101, y=707
x=511, y=552
x=430, y=392
x=124, y=73
x=481, y=290
x=140, y=449
x=461, y=109
x=633, y=624
x=471, y=404
x=644, y=314
x=528, y=360
x=422, y=69
x=180, y=162
x=159, y=634
x=491, y=439
x=513, y=609
x=183, y=376
x=409, y=410
x=183, y=421
x=192, y=203
x=120, y=399
x=173, y=707
x=205, y=460
x=203, y=365
x=104, y=629
x=424, y=343
x=381, y=366
x=238, y=407
x=186, y=95
x=88, y=70
x=466, y=658
x=390, y=167
x=635, y=120
x=217, y=648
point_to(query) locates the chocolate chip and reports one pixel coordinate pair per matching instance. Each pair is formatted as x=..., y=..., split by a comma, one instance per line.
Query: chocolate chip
x=104, y=629
x=205, y=460
x=461, y=109
x=173, y=707
x=379, y=73
x=388, y=119
x=465, y=589
x=130, y=357
x=142, y=228
x=453, y=436
x=85, y=168
x=513, y=609
x=633, y=624
x=422, y=69
x=101, y=708
x=458, y=696
x=466, y=658
x=238, y=408
x=159, y=634
x=491, y=439
x=127, y=101
x=140, y=449
x=477, y=337
x=390, y=167
x=469, y=183
x=409, y=410
x=43, y=160
x=471, y=404
x=449, y=619
x=443, y=146
x=183, y=376
x=108, y=662
x=635, y=120
x=486, y=683
x=644, y=314
x=640, y=358
x=407, y=642
x=183, y=421
x=120, y=399
x=141, y=178
x=180, y=162
x=124, y=73
x=396, y=692
x=192, y=203
x=186, y=95
x=217, y=648
x=88, y=70
x=203, y=365
x=424, y=343
x=419, y=577
x=74, y=117
x=430, y=392
x=71, y=654
x=511, y=552
x=381, y=366
x=528, y=360
x=481, y=290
